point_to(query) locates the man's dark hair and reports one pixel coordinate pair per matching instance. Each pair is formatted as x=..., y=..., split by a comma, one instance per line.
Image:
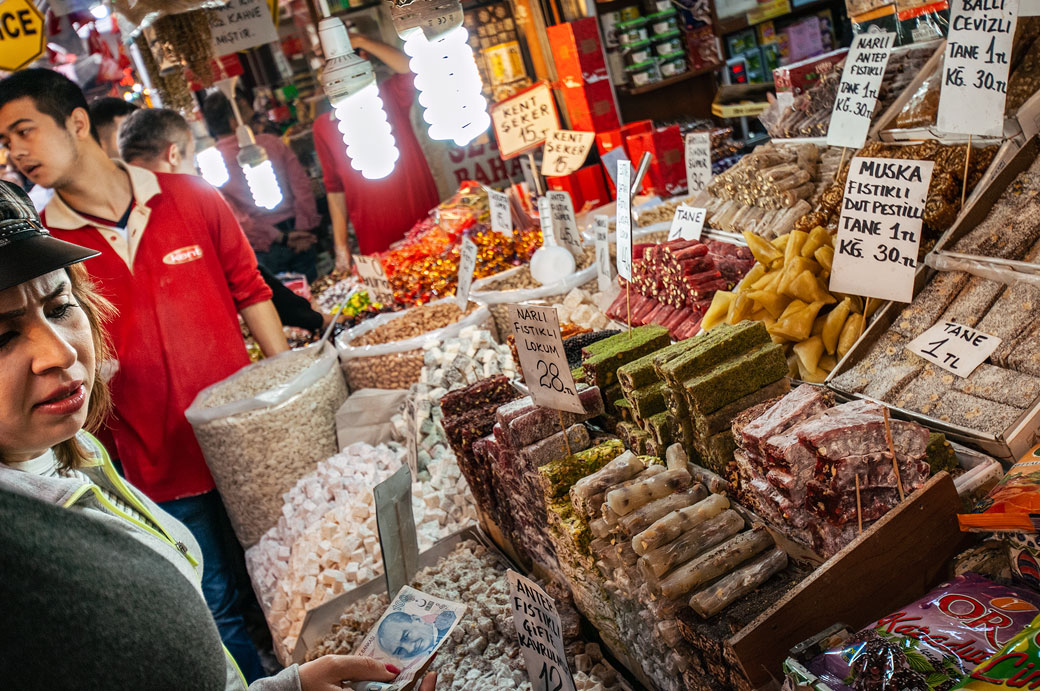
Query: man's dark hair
x=147, y=133
x=104, y=111
x=218, y=113
x=52, y=93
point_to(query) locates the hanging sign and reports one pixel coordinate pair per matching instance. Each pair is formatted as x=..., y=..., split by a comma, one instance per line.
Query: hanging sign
x=698, y=161
x=975, y=67
x=467, y=263
x=372, y=274
x=22, y=35
x=565, y=151
x=523, y=121
x=241, y=24
x=501, y=216
x=879, y=230
x=541, y=637
x=542, y=359
x=687, y=223
x=565, y=225
x=624, y=219
x=858, y=90
x=954, y=347
x=604, y=269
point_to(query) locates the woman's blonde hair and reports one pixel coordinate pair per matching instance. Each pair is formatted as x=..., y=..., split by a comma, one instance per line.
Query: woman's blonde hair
x=70, y=453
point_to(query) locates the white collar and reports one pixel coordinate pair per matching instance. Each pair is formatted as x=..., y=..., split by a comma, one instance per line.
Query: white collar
x=143, y=186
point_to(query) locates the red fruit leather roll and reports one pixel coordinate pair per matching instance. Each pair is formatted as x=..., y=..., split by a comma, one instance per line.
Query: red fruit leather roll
x=698, y=250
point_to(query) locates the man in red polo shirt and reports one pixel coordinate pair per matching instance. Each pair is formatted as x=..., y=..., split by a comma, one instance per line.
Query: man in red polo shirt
x=179, y=270
x=382, y=211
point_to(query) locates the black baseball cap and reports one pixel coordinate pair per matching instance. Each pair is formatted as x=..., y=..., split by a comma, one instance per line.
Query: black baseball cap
x=27, y=250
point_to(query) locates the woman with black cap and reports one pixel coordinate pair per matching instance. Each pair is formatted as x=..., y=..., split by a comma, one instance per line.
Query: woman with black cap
x=51, y=394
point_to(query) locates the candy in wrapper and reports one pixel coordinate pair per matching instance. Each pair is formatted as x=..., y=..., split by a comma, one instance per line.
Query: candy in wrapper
x=1014, y=504
x=1015, y=666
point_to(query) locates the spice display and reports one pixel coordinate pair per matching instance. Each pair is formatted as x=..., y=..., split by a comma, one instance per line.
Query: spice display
x=412, y=323
x=266, y=426
x=674, y=283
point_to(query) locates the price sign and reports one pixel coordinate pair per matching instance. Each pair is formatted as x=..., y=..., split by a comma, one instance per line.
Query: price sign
x=541, y=637
x=975, y=67
x=540, y=349
x=240, y=25
x=546, y=223
x=565, y=151
x=698, y=161
x=501, y=216
x=565, y=225
x=879, y=230
x=604, y=269
x=610, y=161
x=687, y=223
x=858, y=90
x=624, y=219
x=523, y=121
x=954, y=347
x=467, y=262
x=372, y=274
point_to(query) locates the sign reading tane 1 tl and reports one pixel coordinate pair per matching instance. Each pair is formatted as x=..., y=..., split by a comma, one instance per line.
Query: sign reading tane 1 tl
x=523, y=121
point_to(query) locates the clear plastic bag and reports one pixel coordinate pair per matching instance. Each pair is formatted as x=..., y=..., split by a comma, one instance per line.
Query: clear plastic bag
x=497, y=300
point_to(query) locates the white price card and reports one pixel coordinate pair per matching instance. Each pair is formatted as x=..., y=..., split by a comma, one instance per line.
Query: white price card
x=624, y=219
x=501, y=216
x=545, y=222
x=540, y=634
x=858, y=90
x=687, y=223
x=523, y=121
x=240, y=25
x=565, y=225
x=879, y=230
x=954, y=347
x=372, y=274
x=975, y=67
x=539, y=346
x=565, y=151
x=467, y=263
x=698, y=161
x=604, y=268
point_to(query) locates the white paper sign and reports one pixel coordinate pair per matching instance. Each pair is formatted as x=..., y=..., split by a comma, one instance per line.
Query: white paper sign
x=541, y=637
x=565, y=151
x=1029, y=8
x=372, y=274
x=858, y=90
x=954, y=347
x=687, y=223
x=467, y=263
x=698, y=161
x=565, y=225
x=604, y=268
x=241, y=24
x=880, y=228
x=522, y=122
x=539, y=346
x=975, y=67
x=545, y=221
x=501, y=216
x=624, y=219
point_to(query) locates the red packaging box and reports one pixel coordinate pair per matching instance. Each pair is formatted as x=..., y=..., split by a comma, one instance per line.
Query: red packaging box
x=568, y=184
x=577, y=51
x=591, y=107
x=585, y=185
x=607, y=141
x=666, y=175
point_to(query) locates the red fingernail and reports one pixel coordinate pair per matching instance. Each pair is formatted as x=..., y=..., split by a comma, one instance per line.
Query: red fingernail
x=392, y=669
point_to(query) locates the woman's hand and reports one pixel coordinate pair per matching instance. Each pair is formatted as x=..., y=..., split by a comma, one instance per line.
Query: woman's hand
x=328, y=673
x=429, y=683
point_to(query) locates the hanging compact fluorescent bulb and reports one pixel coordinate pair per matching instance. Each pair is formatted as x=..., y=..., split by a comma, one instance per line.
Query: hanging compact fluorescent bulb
x=446, y=74
x=350, y=84
x=209, y=160
x=263, y=183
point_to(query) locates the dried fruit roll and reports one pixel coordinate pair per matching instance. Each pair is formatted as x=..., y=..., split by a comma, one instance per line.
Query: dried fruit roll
x=715, y=598
x=715, y=562
x=627, y=499
x=624, y=467
x=705, y=536
x=666, y=529
x=642, y=518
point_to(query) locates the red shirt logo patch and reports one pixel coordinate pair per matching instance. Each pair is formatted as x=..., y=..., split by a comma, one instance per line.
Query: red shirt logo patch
x=183, y=255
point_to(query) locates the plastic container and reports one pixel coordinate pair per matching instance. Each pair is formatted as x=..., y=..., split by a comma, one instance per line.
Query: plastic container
x=672, y=65
x=638, y=53
x=632, y=31
x=668, y=46
x=643, y=73
x=663, y=23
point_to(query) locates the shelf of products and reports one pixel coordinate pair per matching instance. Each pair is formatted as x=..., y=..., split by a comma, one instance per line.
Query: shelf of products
x=664, y=83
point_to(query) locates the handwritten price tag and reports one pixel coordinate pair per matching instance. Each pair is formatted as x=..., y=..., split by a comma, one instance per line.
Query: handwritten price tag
x=523, y=121
x=879, y=230
x=687, y=223
x=858, y=89
x=954, y=347
x=501, y=216
x=975, y=67
x=372, y=274
x=698, y=161
x=540, y=349
x=565, y=226
x=467, y=263
x=604, y=269
x=541, y=637
x=624, y=219
x=565, y=151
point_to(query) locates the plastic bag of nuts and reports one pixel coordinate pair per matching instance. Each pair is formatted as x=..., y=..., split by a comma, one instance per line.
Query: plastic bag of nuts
x=266, y=426
x=386, y=352
x=489, y=292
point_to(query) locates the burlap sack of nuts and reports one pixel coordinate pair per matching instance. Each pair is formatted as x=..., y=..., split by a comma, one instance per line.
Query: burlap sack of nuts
x=265, y=427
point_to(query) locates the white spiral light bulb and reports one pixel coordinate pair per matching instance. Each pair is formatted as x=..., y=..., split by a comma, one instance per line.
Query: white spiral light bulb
x=449, y=85
x=211, y=165
x=263, y=185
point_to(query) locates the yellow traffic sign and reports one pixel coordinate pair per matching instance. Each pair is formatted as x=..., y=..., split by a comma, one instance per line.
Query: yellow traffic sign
x=21, y=34
x=273, y=6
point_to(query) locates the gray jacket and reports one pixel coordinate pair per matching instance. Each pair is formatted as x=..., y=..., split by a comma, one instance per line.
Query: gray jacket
x=173, y=540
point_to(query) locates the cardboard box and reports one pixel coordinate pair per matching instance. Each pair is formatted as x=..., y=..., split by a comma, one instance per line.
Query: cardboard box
x=739, y=100
x=577, y=50
x=591, y=107
x=666, y=175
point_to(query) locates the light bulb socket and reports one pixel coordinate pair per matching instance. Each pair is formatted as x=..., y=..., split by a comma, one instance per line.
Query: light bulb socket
x=202, y=139
x=345, y=73
x=434, y=18
x=251, y=155
x=245, y=137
